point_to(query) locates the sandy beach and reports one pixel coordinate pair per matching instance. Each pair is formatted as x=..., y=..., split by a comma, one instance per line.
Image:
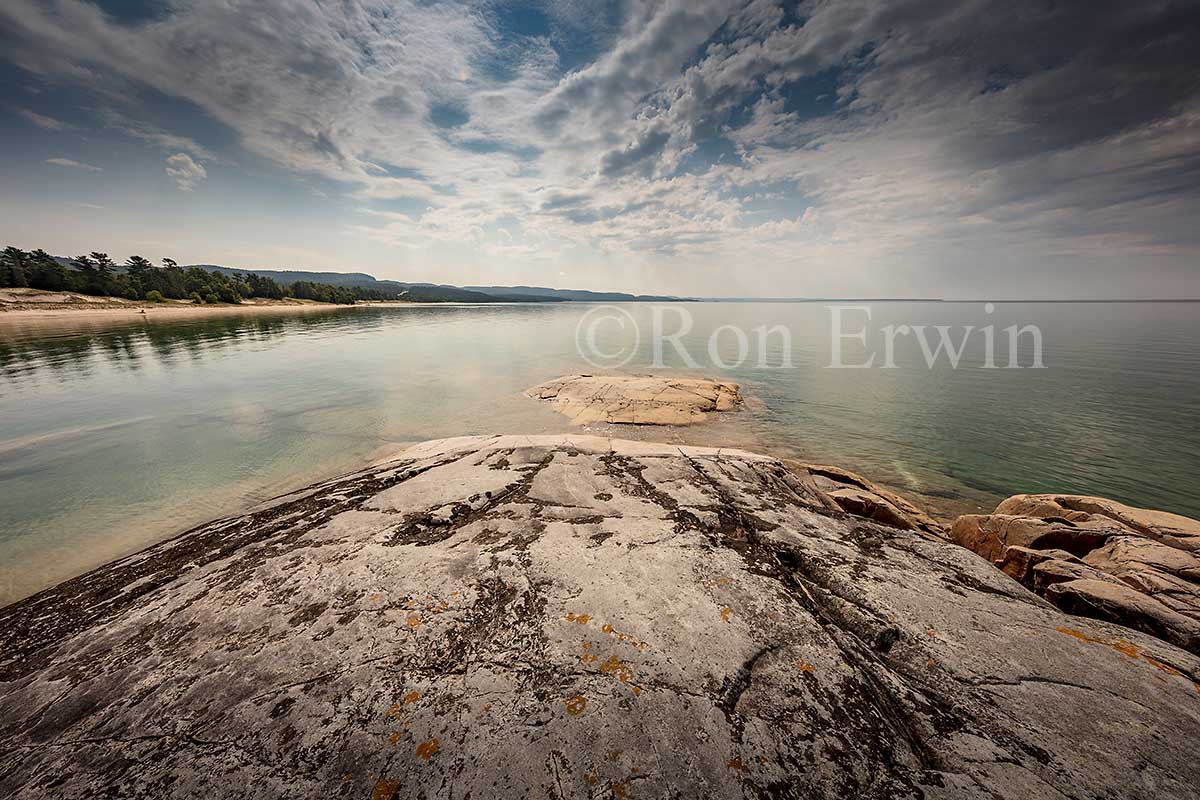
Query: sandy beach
x=31, y=305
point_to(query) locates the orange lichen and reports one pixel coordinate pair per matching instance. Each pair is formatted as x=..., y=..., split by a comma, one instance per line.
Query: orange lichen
x=393, y=712
x=590, y=779
x=615, y=667
x=625, y=638
x=1167, y=668
x=804, y=666
x=395, y=737
x=425, y=750
x=413, y=620
x=1125, y=648
x=376, y=597
x=385, y=789
x=583, y=619
x=576, y=705
x=606, y=628
x=411, y=697
x=619, y=789
x=1120, y=645
x=736, y=763
x=725, y=612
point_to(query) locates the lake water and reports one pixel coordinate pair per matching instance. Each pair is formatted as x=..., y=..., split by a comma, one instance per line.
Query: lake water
x=115, y=434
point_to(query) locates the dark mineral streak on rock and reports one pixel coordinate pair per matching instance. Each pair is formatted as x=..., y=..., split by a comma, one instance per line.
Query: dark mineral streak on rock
x=578, y=617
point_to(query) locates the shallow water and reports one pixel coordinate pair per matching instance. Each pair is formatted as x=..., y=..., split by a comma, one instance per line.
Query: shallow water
x=116, y=434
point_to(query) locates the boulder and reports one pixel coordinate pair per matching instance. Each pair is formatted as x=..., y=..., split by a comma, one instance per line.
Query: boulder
x=1018, y=562
x=856, y=495
x=637, y=399
x=1182, y=532
x=990, y=534
x=1168, y=574
x=1115, y=602
x=1056, y=570
x=1151, y=554
x=577, y=617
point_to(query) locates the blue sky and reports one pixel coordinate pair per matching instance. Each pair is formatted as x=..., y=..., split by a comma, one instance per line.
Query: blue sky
x=700, y=147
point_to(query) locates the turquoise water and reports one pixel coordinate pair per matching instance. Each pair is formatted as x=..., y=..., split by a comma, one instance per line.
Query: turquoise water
x=116, y=434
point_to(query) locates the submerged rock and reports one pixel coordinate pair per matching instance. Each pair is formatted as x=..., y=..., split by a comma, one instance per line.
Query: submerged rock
x=637, y=399
x=576, y=617
x=1132, y=566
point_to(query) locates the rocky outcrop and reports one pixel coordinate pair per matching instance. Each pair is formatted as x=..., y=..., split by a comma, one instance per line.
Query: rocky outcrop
x=637, y=399
x=1098, y=558
x=848, y=491
x=577, y=617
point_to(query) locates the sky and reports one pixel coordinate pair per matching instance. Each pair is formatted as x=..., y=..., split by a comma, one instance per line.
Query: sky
x=950, y=148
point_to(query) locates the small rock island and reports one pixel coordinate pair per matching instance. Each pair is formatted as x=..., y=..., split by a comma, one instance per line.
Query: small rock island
x=637, y=399
x=581, y=617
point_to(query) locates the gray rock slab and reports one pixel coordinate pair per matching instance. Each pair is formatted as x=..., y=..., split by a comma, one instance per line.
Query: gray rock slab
x=577, y=617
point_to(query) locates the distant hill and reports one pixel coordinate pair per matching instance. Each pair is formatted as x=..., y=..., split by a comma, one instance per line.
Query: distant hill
x=432, y=292
x=417, y=292
x=572, y=294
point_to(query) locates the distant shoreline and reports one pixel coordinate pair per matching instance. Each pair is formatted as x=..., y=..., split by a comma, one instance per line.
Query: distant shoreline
x=23, y=311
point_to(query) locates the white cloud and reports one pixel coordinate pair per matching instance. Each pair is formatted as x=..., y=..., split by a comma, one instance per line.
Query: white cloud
x=68, y=162
x=42, y=121
x=156, y=136
x=185, y=171
x=950, y=137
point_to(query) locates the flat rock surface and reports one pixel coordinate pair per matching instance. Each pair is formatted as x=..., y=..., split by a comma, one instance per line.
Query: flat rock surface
x=577, y=617
x=1134, y=566
x=637, y=399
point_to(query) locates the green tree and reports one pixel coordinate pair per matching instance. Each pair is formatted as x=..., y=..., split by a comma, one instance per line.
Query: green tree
x=13, y=267
x=104, y=266
x=46, y=273
x=90, y=279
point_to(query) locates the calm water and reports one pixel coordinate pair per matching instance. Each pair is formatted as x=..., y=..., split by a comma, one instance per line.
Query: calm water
x=116, y=434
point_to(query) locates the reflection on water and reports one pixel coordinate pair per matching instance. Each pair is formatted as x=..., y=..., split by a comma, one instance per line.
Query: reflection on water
x=116, y=434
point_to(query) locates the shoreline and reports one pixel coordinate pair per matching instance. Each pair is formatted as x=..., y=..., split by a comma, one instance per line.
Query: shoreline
x=129, y=310
x=132, y=310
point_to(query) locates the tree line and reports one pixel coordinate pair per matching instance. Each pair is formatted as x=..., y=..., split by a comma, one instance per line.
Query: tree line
x=139, y=279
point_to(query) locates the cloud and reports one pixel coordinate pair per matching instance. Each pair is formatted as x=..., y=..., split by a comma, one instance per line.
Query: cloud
x=156, y=136
x=186, y=172
x=67, y=162
x=48, y=123
x=909, y=145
